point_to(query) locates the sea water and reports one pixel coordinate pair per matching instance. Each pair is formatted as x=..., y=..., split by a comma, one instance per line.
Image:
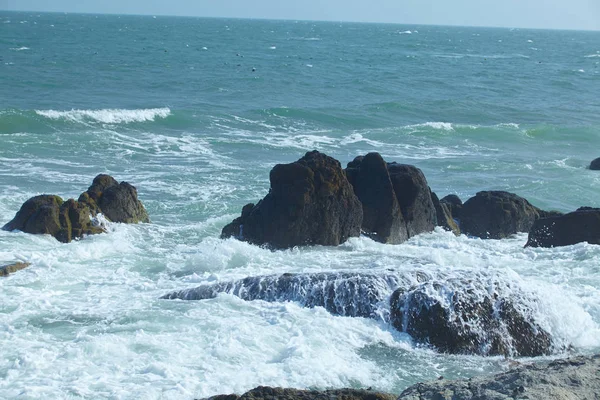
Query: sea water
x=194, y=113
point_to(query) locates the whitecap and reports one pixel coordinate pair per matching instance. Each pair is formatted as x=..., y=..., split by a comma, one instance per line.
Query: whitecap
x=309, y=65
x=273, y=47
x=19, y=48
x=592, y=56
x=405, y=33
x=107, y=116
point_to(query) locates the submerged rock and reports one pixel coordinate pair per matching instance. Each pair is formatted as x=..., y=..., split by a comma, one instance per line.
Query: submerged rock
x=69, y=220
x=572, y=378
x=461, y=316
x=497, y=215
x=347, y=294
x=271, y=393
x=5, y=270
x=382, y=218
x=310, y=203
x=579, y=226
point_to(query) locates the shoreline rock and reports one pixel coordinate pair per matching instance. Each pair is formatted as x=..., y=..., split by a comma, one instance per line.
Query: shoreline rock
x=582, y=225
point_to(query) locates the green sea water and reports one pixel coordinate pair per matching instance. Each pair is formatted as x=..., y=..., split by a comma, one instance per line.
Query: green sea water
x=195, y=112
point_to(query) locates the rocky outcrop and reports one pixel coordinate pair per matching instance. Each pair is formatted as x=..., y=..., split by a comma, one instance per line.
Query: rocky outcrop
x=573, y=378
x=595, y=164
x=271, y=393
x=582, y=225
x=347, y=294
x=497, y=215
x=460, y=316
x=382, y=218
x=396, y=199
x=6, y=270
x=454, y=204
x=310, y=203
x=69, y=220
x=444, y=215
x=117, y=201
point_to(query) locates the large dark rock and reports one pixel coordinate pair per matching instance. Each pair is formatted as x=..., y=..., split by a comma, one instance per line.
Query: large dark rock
x=568, y=379
x=444, y=215
x=582, y=225
x=497, y=215
x=595, y=164
x=310, y=203
x=382, y=218
x=272, y=393
x=117, y=201
x=414, y=198
x=6, y=270
x=460, y=316
x=348, y=294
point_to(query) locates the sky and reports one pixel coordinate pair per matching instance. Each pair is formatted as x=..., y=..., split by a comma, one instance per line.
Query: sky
x=544, y=14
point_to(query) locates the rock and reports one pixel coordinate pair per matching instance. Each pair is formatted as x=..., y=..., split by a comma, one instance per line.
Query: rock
x=573, y=378
x=497, y=215
x=117, y=201
x=454, y=203
x=39, y=215
x=595, y=164
x=12, y=268
x=414, y=198
x=310, y=203
x=347, y=294
x=582, y=225
x=271, y=393
x=444, y=215
x=461, y=316
x=382, y=218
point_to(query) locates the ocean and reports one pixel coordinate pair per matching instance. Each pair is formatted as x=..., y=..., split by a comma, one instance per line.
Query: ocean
x=195, y=112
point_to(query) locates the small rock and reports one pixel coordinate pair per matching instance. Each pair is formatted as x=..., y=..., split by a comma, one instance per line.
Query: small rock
x=12, y=268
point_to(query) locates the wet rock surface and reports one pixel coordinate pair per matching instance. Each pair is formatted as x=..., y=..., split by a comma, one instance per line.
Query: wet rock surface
x=579, y=226
x=444, y=215
x=310, y=203
x=271, y=393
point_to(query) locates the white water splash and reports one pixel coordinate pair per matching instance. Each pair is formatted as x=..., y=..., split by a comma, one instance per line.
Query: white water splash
x=107, y=116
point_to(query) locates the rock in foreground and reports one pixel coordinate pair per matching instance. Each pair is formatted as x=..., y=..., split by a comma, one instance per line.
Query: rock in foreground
x=310, y=203
x=6, y=270
x=464, y=316
x=570, y=379
x=270, y=393
x=579, y=226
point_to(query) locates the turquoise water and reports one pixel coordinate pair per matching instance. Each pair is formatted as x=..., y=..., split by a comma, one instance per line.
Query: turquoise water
x=195, y=113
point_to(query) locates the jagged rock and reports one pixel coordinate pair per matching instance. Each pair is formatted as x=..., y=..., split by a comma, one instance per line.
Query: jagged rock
x=595, y=164
x=582, y=225
x=497, y=215
x=271, y=393
x=459, y=316
x=569, y=379
x=454, y=203
x=382, y=218
x=414, y=198
x=348, y=294
x=310, y=203
x=117, y=201
x=12, y=268
x=444, y=215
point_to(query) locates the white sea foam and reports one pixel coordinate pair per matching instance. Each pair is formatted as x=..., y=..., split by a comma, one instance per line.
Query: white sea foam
x=107, y=116
x=444, y=126
x=405, y=33
x=20, y=48
x=592, y=55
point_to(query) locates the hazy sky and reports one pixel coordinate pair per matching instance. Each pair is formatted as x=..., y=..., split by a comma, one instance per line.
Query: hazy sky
x=555, y=14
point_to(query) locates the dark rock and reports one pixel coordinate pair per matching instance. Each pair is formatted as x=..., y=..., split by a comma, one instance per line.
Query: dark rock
x=414, y=198
x=12, y=268
x=595, y=164
x=454, y=203
x=444, y=215
x=117, y=201
x=38, y=215
x=455, y=316
x=310, y=203
x=582, y=225
x=497, y=215
x=382, y=218
x=271, y=393
x=574, y=378
x=348, y=294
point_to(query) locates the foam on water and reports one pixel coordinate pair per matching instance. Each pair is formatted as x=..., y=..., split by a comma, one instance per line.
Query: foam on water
x=107, y=116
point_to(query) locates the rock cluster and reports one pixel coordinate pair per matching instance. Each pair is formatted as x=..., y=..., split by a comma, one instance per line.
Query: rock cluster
x=68, y=220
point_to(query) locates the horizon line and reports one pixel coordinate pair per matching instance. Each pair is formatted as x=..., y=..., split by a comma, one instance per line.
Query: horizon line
x=297, y=20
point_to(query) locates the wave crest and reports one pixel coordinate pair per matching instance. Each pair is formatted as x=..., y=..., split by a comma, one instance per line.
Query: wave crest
x=107, y=116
